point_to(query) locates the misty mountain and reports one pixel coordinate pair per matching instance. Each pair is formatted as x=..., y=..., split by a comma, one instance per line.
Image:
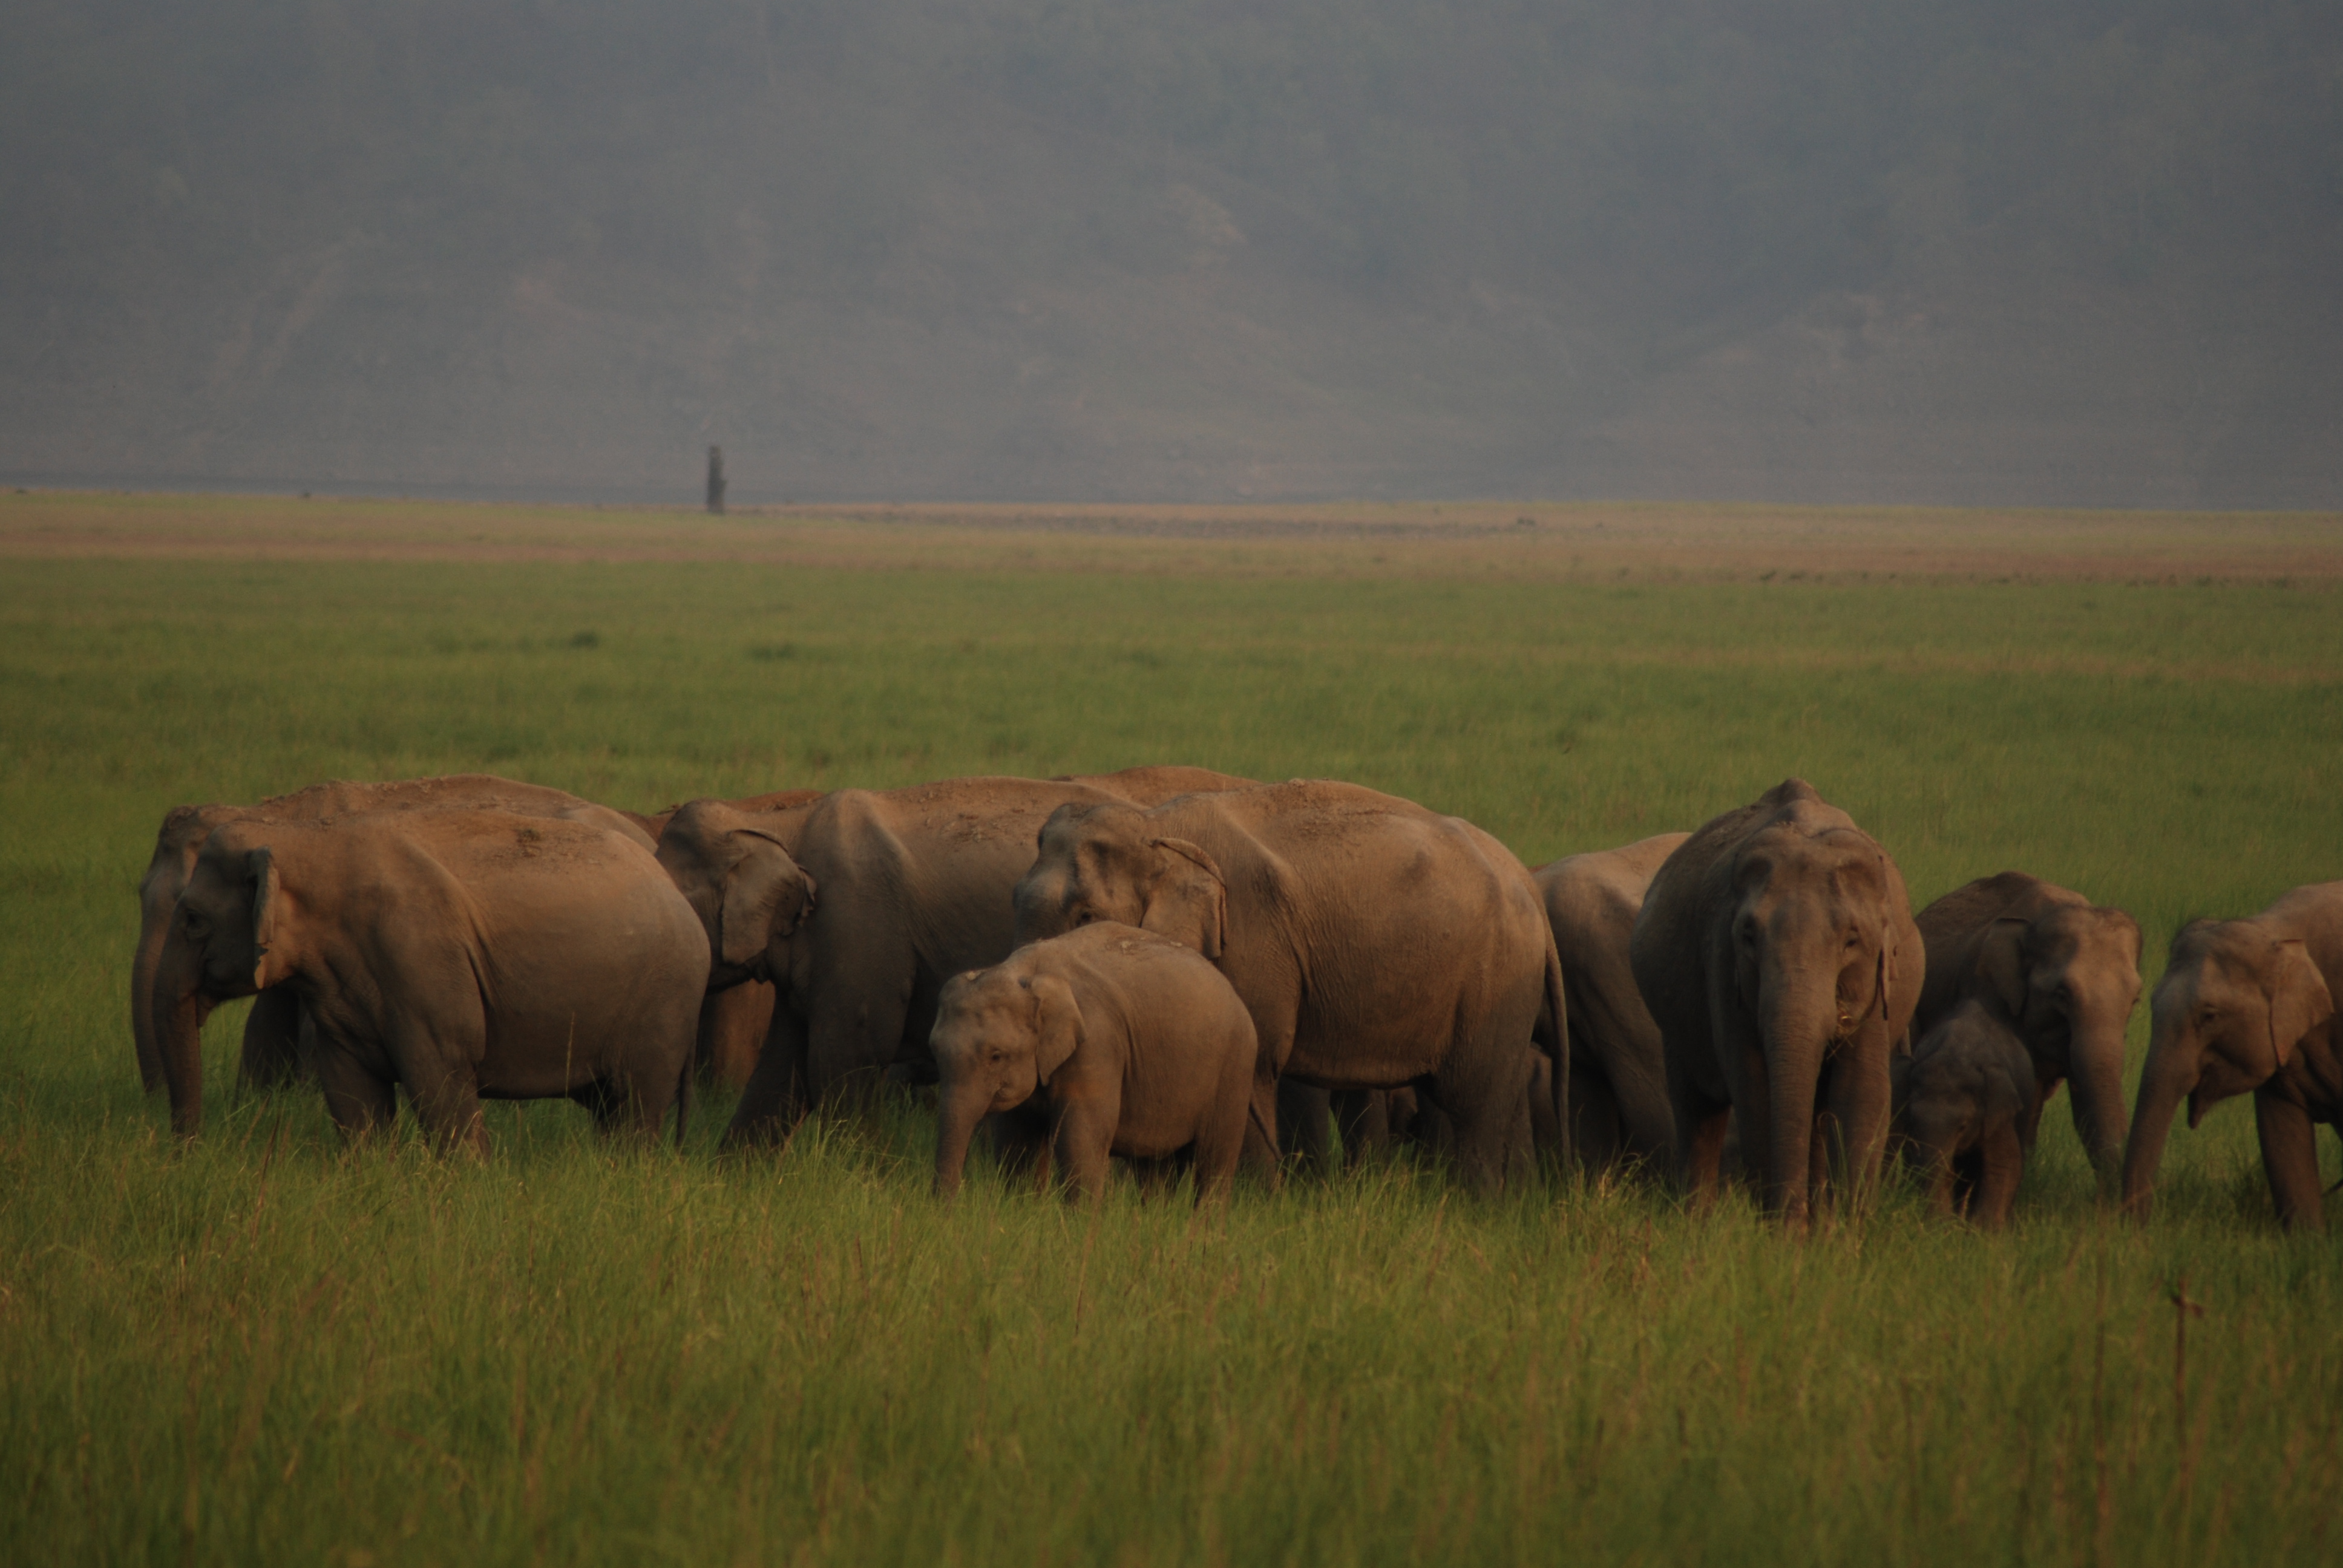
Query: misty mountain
x=1194, y=249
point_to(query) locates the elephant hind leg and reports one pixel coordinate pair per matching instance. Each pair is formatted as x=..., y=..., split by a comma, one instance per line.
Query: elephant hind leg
x=776, y=1098
x=1489, y=1118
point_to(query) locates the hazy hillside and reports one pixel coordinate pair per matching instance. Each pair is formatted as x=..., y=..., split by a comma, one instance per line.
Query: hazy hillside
x=1903, y=251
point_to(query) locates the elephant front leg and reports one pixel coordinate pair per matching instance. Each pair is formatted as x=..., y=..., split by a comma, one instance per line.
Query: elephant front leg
x=2289, y=1141
x=1084, y=1146
x=1860, y=1098
x=361, y=1102
x=2004, y=1166
x=775, y=1099
x=274, y=1033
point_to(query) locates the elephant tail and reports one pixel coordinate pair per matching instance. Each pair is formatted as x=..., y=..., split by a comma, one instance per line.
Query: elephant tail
x=683, y=1101
x=1553, y=1034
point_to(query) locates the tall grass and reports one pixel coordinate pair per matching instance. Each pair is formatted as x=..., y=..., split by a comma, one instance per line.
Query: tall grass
x=266, y=1347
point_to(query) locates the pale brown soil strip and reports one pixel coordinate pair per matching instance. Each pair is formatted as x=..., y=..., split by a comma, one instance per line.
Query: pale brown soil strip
x=1588, y=542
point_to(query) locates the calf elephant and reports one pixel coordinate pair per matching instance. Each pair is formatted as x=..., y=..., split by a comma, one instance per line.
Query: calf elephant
x=856, y=907
x=1776, y=952
x=457, y=954
x=273, y=1030
x=1618, y=1093
x=1135, y=1045
x=2061, y=972
x=2249, y=1005
x=1376, y=944
x=1966, y=1108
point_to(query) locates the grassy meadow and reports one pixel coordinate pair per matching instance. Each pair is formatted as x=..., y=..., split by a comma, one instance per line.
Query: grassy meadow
x=263, y=1347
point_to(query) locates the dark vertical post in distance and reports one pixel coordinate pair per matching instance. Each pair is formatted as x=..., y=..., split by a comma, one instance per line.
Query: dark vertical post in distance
x=716, y=480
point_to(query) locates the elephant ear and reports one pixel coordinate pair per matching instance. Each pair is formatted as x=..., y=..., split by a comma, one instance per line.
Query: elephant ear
x=1190, y=899
x=2001, y=963
x=2299, y=1000
x=1057, y=1025
x=260, y=870
x=767, y=896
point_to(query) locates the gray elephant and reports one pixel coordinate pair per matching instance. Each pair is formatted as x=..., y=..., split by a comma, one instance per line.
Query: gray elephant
x=1776, y=952
x=2249, y=1005
x=275, y=1029
x=858, y=906
x=2062, y=972
x=1618, y=1092
x=1376, y=944
x=456, y=954
x=1123, y=1043
x=1966, y=1107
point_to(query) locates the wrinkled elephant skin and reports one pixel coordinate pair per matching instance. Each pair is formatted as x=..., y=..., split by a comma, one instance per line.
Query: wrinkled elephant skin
x=1377, y=945
x=2249, y=1005
x=1126, y=1042
x=455, y=954
x=1776, y=952
x=857, y=906
x=2061, y=972
x=272, y=1051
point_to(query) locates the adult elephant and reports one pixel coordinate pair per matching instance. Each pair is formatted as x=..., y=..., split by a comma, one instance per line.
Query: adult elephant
x=1375, y=943
x=2249, y=1005
x=1618, y=1093
x=457, y=954
x=856, y=907
x=1776, y=952
x=2061, y=972
x=273, y=1031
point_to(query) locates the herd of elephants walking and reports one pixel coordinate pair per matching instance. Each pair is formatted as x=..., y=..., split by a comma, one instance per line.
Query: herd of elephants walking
x=1179, y=969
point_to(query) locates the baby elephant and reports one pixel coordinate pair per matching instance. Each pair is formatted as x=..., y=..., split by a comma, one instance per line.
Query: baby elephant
x=1965, y=1107
x=1126, y=1042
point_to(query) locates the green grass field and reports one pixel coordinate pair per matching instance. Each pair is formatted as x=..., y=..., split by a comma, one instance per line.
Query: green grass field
x=263, y=1348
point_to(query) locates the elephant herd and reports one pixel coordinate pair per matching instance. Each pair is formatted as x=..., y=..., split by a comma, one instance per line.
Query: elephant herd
x=1181, y=968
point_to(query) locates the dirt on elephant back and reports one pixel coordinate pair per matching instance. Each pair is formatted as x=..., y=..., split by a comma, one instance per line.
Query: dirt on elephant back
x=1577, y=541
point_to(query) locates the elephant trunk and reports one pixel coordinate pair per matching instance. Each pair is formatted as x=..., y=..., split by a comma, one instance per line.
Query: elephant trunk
x=959, y=1109
x=177, y=1008
x=1799, y=1018
x=2172, y=1072
x=144, y=962
x=2096, y=1082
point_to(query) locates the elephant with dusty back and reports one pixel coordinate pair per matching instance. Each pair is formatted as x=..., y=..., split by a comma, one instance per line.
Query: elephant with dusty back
x=459, y=955
x=1375, y=944
x=273, y=1030
x=1776, y=952
x=858, y=907
x=2249, y=1005
x=2061, y=972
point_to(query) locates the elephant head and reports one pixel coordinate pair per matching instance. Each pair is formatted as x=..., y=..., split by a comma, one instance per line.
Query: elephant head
x=2067, y=980
x=183, y=834
x=1102, y=863
x=751, y=896
x=1813, y=960
x=999, y=1038
x=2235, y=1000
x=227, y=937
